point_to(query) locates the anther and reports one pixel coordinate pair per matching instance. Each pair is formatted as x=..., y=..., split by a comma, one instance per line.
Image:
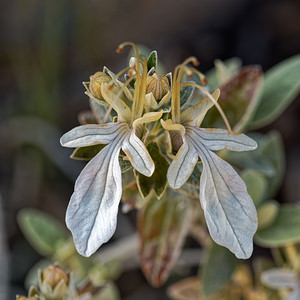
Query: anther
x=195, y=62
x=120, y=49
x=204, y=81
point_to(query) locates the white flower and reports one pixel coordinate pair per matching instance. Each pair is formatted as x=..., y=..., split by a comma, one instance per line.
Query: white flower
x=92, y=212
x=229, y=210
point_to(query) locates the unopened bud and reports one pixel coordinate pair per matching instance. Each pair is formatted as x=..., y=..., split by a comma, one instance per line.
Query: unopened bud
x=54, y=282
x=158, y=85
x=95, y=83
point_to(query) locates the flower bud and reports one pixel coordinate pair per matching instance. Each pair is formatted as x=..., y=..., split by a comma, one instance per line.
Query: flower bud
x=158, y=85
x=95, y=83
x=54, y=282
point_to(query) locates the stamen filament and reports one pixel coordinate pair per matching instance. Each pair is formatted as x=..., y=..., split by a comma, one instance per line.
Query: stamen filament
x=190, y=71
x=140, y=84
x=108, y=111
x=122, y=72
x=133, y=45
x=177, y=77
x=140, y=91
x=212, y=100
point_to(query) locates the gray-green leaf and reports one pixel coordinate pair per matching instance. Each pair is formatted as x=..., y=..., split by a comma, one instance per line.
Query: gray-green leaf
x=285, y=228
x=219, y=265
x=152, y=60
x=41, y=230
x=158, y=180
x=256, y=185
x=282, y=84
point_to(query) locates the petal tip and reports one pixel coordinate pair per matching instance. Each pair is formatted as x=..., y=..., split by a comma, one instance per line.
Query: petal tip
x=62, y=141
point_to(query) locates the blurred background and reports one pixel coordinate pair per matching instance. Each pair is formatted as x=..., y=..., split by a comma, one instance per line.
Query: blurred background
x=47, y=48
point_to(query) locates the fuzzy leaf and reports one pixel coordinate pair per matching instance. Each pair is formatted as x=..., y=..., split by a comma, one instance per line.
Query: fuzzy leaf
x=238, y=99
x=214, y=277
x=185, y=94
x=87, y=152
x=267, y=214
x=152, y=60
x=267, y=159
x=158, y=180
x=256, y=185
x=124, y=164
x=273, y=150
x=41, y=230
x=285, y=228
x=162, y=225
x=194, y=179
x=282, y=84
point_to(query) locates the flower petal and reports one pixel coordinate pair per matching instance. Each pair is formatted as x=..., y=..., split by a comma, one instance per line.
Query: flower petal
x=91, y=134
x=229, y=210
x=218, y=139
x=147, y=118
x=170, y=126
x=117, y=102
x=138, y=154
x=92, y=211
x=195, y=114
x=183, y=165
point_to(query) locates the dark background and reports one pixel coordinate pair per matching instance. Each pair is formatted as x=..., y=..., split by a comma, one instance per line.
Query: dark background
x=47, y=48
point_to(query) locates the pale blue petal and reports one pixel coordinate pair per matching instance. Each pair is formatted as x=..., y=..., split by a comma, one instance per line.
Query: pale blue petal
x=138, y=154
x=229, y=210
x=90, y=134
x=92, y=211
x=183, y=165
x=218, y=139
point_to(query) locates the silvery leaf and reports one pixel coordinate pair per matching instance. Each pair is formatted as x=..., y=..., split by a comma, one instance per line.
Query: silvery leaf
x=229, y=210
x=92, y=211
x=138, y=154
x=218, y=139
x=182, y=166
x=279, y=279
x=90, y=134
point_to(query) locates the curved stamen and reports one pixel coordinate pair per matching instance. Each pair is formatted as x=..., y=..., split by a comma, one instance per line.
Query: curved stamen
x=212, y=100
x=177, y=77
x=133, y=45
x=122, y=89
x=140, y=84
x=190, y=71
